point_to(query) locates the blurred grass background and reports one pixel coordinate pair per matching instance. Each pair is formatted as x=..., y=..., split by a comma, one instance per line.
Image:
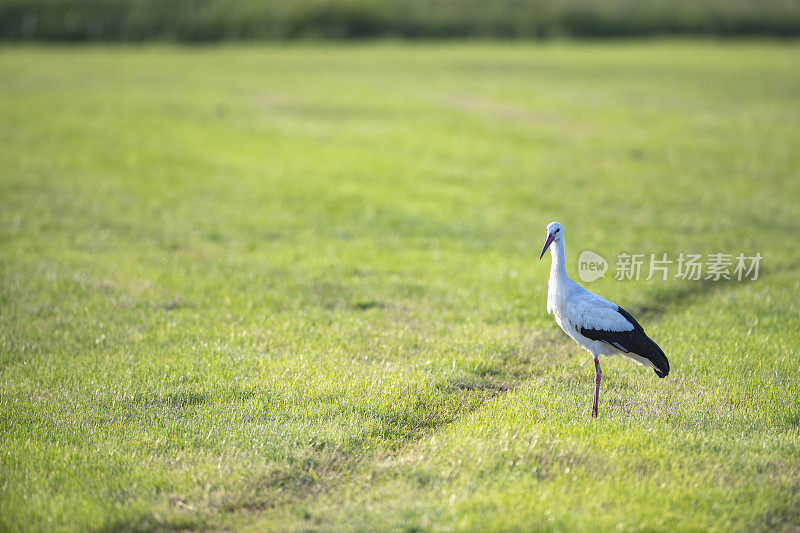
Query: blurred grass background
x=215, y=20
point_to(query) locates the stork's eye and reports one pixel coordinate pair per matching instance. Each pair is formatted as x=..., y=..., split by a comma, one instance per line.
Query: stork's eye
x=556, y=231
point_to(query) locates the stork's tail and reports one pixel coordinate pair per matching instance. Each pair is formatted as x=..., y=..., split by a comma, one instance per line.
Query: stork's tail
x=656, y=356
x=642, y=345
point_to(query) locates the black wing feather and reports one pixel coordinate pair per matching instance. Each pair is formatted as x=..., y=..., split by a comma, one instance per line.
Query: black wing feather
x=633, y=341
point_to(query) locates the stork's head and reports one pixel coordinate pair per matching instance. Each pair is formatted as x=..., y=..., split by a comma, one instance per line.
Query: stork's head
x=554, y=233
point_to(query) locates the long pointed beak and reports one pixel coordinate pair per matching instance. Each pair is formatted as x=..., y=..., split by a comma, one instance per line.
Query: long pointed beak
x=546, y=245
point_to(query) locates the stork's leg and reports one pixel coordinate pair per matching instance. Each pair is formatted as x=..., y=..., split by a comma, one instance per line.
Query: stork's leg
x=598, y=375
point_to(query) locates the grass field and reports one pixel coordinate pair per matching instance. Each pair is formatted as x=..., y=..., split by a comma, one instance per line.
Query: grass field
x=297, y=288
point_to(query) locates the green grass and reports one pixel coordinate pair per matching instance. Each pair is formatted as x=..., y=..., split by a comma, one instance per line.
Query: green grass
x=298, y=288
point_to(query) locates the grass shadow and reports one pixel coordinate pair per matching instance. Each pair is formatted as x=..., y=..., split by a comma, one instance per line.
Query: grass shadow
x=683, y=295
x=173, y=400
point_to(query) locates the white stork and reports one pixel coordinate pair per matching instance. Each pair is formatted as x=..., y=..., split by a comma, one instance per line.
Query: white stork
x=597, y=325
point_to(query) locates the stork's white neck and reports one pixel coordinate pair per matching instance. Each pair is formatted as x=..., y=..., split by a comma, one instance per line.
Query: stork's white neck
x=558, y=265
x=560, y=285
